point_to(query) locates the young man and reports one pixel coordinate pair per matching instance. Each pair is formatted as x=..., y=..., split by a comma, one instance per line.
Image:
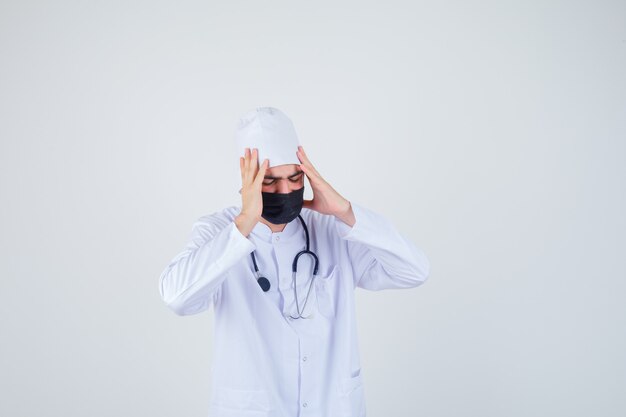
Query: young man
x=280, y=273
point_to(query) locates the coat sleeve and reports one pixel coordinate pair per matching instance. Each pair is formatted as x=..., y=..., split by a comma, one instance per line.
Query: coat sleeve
x=381, y=258
x=191, y=281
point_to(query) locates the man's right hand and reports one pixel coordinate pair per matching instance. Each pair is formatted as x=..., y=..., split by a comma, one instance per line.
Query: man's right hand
x=251, y=198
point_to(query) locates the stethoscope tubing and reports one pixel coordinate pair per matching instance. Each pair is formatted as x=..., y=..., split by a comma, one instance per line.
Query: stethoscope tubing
x=265, y=284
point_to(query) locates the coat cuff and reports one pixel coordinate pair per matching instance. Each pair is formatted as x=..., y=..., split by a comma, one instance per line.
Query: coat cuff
x=237, y=238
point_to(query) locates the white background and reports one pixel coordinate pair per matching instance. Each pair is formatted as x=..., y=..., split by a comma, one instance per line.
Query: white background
x=492, y=134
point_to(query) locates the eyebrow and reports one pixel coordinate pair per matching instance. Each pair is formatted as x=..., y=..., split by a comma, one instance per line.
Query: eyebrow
x=269, y=177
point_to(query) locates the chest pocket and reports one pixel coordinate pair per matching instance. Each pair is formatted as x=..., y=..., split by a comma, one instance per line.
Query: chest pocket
x=325, y=292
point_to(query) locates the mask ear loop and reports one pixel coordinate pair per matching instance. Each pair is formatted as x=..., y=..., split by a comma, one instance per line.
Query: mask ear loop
x=294, y=270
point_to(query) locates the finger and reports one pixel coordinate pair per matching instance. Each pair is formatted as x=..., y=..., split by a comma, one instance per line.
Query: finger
x=261, y=174
x=315, y=179
x=241, y=162
x=250, y=168
x=254, y=155
x=305, y=161
x=307, y=204
x=254, y=164
x=308, y=171
x=303, y=154
x=246, y=161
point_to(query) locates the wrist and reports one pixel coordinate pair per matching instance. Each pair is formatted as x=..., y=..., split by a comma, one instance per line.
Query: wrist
x=245, y=223
x=347, y=216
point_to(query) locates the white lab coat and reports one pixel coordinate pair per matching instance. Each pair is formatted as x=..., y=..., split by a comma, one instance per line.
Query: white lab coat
x=266, y=364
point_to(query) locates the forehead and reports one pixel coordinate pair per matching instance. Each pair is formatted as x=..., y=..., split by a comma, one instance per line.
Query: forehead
x=283, y=170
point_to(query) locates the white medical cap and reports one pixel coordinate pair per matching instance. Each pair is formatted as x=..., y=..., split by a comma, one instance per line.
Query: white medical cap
x=271, y=132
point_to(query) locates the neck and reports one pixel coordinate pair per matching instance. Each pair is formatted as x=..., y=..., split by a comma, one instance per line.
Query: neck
x=274, y=227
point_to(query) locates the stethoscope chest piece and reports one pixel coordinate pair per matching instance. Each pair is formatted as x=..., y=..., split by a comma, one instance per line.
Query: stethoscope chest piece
x=264, y=283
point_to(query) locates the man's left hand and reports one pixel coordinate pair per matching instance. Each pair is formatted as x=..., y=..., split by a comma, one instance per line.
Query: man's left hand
x=325, y=199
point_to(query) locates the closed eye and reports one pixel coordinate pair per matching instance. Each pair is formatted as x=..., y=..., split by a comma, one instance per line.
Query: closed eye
x=294, y=179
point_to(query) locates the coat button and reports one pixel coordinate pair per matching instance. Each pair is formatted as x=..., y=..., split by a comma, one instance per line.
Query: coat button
x=304, y=359
x=277, y=238
x=304, y=405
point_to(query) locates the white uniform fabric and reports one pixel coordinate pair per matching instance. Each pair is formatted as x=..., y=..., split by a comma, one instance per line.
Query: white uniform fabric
x=271, y=132
x=266, y=364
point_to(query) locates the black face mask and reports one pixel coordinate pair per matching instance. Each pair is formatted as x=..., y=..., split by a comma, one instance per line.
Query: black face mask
x=282, y=208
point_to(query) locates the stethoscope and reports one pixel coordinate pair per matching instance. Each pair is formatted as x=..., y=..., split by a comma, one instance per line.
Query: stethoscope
x=265, y=285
